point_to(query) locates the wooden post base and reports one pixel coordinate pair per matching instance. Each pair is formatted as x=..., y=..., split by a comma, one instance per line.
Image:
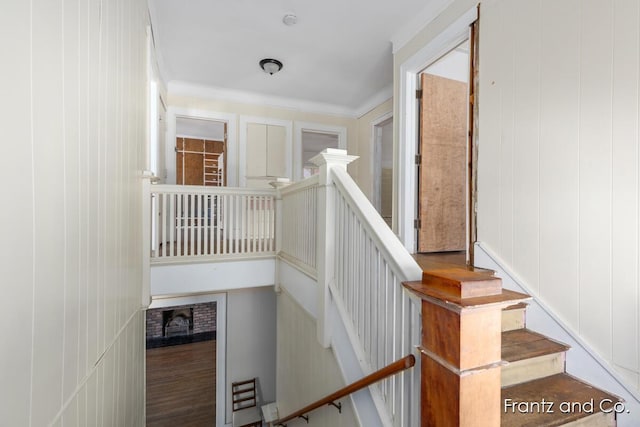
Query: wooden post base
x=461, y=347
x=467, y=398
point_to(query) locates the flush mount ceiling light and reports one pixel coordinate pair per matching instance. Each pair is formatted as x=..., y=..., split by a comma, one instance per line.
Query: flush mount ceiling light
x=270, y=66
x=290, y=19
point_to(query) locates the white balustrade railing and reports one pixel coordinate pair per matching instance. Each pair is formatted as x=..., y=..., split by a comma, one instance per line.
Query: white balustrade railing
x=331, y=227
x=194, y=221
x=370, y=264
x=299, y=223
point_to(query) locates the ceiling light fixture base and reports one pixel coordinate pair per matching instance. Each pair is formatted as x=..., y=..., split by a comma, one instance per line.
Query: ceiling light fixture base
x=270, y=65
x=290, y=19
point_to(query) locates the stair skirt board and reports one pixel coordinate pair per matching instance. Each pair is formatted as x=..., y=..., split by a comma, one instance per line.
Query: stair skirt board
x=582, y=360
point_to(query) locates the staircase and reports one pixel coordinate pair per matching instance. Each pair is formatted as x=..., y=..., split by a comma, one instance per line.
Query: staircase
x=481, y=365
x=534, y=374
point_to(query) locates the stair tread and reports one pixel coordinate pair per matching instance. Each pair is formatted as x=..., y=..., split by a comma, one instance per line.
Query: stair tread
x=554, y=389
x=505, y=298
x=520, y=344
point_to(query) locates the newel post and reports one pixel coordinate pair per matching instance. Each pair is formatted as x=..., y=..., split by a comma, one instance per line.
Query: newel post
x=461, y=346
x=327, y=160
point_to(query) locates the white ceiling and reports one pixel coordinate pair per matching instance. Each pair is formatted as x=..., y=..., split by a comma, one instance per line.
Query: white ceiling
x=339, y=52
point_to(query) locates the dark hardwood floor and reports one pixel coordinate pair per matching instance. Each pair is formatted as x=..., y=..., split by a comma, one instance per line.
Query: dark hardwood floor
x=181, y=385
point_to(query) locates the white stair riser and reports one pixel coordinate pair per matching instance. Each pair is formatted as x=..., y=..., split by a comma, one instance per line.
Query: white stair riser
x=513, y=319
x=599, y=419
x=531, y=369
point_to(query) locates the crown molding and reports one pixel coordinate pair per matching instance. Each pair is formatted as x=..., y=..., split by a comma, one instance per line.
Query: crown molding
x=180, y=88
x=377, y=99
x=432, y=10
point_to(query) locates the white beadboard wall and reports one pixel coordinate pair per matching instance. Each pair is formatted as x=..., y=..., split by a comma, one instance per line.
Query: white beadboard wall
x=306, y=371
x=73, y=133
x=558, y=178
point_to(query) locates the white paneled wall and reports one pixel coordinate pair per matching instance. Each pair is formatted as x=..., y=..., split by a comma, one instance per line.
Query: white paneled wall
x=306, y=371
x=251, y=314
x=73, y=119
x=559, y=161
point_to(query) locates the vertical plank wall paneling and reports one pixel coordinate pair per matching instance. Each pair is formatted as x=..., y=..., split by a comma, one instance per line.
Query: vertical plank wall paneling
x=17, y=209
x=559, y=161
x=625, y=266
x=595, y=174
x=48, y=167
x=73, y=120
x=82, y=188
x=559, y=156
x=70, y=108
x=507, y=129
x=308, y=371
x=526, y=160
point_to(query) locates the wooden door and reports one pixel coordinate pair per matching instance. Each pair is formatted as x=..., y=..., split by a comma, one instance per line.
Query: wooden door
x=443, y=165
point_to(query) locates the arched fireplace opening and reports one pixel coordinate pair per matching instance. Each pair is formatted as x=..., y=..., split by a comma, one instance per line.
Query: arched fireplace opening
x=181, y=324
x=177, y=322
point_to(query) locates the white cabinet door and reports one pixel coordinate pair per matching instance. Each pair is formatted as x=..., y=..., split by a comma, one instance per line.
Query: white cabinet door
x=266, y=153
x=276, y=151
x=256, y=150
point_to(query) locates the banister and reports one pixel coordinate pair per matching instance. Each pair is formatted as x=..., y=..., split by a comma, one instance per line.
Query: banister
x=200, y=189
x=379, y=375
x=387, y=242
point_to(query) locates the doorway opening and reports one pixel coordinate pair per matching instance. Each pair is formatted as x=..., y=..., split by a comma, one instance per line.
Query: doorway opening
x=313, y=143
x=199, y=125
x=201, y=147
x=185, y=360
x=405, y=171
x=310, y=139
x=444, y=157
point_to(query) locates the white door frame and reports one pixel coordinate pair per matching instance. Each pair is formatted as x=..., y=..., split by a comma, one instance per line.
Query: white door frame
x=221, y=340
x=404, y=150
x=189, y=113
x=376, y=159
x=299, y=128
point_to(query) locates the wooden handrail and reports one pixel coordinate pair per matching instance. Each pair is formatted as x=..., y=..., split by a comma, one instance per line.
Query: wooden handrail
x=389, y=370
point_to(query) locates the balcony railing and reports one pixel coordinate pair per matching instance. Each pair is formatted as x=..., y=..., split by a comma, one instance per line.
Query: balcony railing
x=211, y=222
x=300, y=214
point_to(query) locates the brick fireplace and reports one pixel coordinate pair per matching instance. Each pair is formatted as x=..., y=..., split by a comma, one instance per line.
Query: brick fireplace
x=181, y=324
